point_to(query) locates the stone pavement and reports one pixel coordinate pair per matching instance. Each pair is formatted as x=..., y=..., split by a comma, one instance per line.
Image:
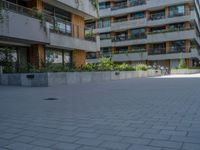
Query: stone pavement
x=138, y=114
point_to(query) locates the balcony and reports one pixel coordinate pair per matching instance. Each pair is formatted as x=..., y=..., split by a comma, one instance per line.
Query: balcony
x=30, y=27
x=172, y=35
x=67, y=37
x=134, y=55
x=169, y=19
x=81, y=7
x=129, y=40
x=159, y=3
x=127, y=7
x=172, y=53
x=128, y=24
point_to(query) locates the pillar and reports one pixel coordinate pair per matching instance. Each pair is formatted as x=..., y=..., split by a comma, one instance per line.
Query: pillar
x=168, y=47
x=37, y=55
x=78, y=58
x=78, y=26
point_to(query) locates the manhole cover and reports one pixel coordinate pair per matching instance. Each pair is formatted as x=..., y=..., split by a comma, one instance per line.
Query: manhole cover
x=51, y=99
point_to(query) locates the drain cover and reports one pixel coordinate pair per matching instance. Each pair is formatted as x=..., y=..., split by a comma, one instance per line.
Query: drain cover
x=51, y=99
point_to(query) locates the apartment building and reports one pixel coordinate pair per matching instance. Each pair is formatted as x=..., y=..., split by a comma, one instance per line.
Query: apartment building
x=39, y=31
x=154, y=32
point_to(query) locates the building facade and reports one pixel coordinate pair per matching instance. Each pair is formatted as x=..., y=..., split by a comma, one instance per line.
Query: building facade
x=154, y=32
x=40, y=31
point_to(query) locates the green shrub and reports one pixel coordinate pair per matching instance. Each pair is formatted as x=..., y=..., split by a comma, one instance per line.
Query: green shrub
x=105, y=64
x=90, y=67
x=141, y=67
x=182, y=64
x=124, y=67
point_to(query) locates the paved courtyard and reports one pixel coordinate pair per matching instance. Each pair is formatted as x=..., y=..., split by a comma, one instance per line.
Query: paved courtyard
x=138, y=114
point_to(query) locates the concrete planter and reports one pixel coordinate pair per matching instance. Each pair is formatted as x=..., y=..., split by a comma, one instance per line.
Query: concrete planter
x=68, y=78
x=185, y=71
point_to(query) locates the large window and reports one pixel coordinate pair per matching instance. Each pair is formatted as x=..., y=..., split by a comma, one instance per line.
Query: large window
x=178, y=46
x=58, y=19
x=176, y=10
x=56, y=56
x=104, y=22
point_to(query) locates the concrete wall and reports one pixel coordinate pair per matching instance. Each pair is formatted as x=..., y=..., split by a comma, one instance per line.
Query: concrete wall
x=63, y=41
x=27, y=28
x=185, y=71
x=63, y=78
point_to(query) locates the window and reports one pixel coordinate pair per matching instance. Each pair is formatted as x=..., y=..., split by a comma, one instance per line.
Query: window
x=104, y=22
x=158, y=29
x=138, y=47
x=57, y=56
x=178, y=46
x=121, y=36
x=137, y=2
x=104, y=5
x=121, y=18
x=176, y=11
x=121, y=49
x=138, y=33
x=157, y=15
x=177, y=26
x=138, y=15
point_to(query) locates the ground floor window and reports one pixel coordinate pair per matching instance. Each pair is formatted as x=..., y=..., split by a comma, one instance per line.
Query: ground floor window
x=58, y=56
x=13, y=58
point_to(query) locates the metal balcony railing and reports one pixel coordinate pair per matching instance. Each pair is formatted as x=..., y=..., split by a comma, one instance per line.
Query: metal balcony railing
x=131, y=37
x=130, y=51
x=171, y=30
x=128, y=3
x=157, y=51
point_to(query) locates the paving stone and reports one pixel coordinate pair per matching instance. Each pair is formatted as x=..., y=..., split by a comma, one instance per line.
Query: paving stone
x=136, y=141
x=166, y=144
x=90, y=148
x=24, y=139
x=110, y=138
x=64, y=138
x=8, y=136
x=66, y=146
x=42, y=142
x=189, y=146
x=127, y=114
x=115, y=145
x=90, y=142
x=156, y=136
x=19, y=146
x=142, y=147
x=87, y=135
x=169, y=132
